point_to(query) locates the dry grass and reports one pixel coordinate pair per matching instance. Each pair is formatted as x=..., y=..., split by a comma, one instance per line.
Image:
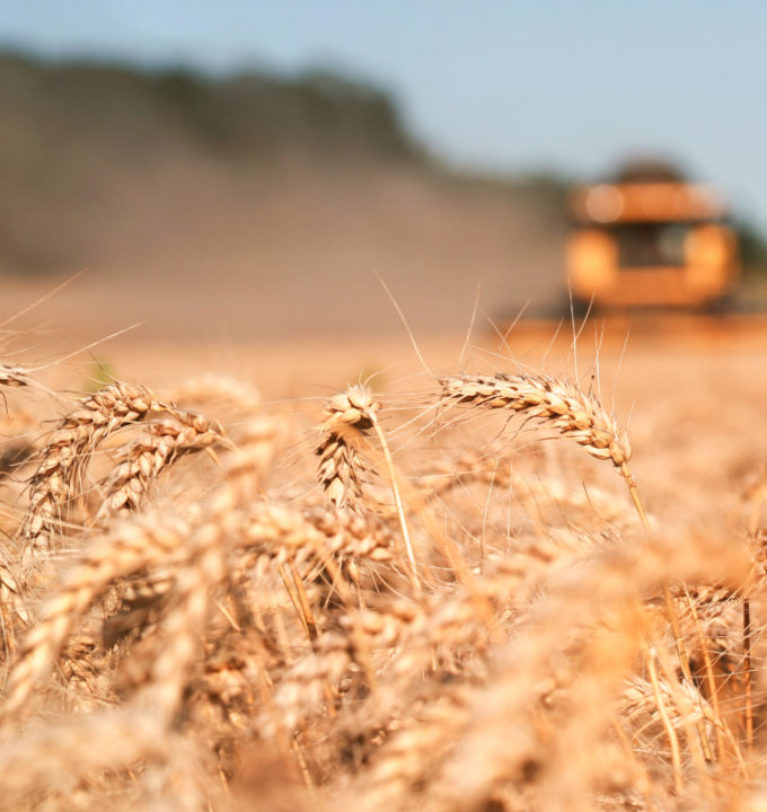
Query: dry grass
x=379, y=602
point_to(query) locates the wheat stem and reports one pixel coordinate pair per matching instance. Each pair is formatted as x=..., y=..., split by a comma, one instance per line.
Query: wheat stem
x=673, y=740
x=397, y=501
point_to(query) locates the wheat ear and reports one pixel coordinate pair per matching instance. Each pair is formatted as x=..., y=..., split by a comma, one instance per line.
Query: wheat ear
x=567, y=409
x=53, y=485
x=342, y=465
x=146, y=458
x=354, y=412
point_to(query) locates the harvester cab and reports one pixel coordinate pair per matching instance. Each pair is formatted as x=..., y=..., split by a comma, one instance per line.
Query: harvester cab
x=650, y=239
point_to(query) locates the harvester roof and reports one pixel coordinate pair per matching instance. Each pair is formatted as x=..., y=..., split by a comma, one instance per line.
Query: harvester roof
x=645, y=191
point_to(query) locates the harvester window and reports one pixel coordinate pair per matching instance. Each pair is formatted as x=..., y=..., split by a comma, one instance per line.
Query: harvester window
x=650, y=245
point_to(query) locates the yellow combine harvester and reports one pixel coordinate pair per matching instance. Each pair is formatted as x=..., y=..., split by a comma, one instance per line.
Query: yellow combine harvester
x=650, y=239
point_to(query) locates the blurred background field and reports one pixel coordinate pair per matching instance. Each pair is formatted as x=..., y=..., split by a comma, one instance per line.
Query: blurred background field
x=252, y=205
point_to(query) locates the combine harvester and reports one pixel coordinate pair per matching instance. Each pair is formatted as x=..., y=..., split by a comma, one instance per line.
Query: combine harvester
x=650, y=240
x=651, y=253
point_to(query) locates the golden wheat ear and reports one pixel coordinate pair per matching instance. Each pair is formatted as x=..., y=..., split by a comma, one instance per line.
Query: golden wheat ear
x=342, y=465
x=348, y=418
x=142, y=461
x=567, y=409
x=574, y=414
x=55, y=485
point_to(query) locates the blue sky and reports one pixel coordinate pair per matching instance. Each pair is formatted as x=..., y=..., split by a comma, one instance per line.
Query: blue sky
x=510, y=85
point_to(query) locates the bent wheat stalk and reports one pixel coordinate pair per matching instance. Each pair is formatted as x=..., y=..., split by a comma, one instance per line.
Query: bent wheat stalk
x=573, y=413
x=567, y=409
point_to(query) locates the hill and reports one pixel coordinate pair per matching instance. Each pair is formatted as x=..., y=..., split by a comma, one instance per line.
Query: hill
x=254, y=202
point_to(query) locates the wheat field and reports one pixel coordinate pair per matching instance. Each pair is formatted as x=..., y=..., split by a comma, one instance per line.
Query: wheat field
x=484, y=587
